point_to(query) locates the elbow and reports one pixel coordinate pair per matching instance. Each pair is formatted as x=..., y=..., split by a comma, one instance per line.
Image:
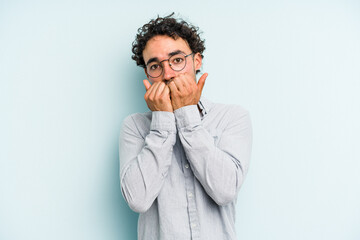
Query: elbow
x=223, y=198
x=138, y=199
x=226, y=193
x=136, y=203
x=138, y=206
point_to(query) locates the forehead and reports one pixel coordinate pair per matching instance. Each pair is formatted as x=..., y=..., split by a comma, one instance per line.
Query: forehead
x=160, y=46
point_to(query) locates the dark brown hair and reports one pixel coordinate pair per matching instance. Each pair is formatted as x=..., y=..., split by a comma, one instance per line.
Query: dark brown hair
x=167, y=26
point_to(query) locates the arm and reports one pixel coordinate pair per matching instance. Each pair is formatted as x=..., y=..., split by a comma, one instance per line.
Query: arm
x=144, y=163
x=220, y=168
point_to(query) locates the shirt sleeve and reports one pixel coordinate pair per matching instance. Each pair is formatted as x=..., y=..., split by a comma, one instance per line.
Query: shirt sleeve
x=144, y=162
x=220, y=167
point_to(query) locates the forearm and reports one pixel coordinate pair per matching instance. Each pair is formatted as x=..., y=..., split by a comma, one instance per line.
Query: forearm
x=145, y=162
x=220, y=166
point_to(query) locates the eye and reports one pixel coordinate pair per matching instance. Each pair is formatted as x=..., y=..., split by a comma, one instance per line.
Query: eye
x=154, y=67
x=177, y=60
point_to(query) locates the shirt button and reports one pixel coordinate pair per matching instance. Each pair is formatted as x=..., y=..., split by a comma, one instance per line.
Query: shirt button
x=190, y=194
x=193, y=225
x=186, y=165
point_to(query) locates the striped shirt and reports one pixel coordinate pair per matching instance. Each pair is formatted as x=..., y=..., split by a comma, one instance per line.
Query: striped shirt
x=182, y=171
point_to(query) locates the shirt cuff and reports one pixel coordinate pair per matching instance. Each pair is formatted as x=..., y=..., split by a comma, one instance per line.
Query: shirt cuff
x=187, y=116
x=163, y=121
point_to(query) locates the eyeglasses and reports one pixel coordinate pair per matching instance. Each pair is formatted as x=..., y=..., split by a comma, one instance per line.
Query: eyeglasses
x=176, y=63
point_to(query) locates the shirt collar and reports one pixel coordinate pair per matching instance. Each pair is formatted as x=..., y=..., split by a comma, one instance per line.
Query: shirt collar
x=204, y=105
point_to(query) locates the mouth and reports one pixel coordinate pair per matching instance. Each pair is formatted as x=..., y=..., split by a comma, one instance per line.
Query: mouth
x=168, y=81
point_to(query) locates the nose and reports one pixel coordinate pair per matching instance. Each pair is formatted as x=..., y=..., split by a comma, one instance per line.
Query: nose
x=168, y=72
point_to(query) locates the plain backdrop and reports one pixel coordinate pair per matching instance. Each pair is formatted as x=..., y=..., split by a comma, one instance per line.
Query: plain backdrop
x=67, y=81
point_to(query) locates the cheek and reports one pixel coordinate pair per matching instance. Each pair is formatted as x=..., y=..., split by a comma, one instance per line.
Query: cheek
x=153, y=80
x=189, y=67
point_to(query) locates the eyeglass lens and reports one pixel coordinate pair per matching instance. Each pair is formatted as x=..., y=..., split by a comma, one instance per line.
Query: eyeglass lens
x=176, y=62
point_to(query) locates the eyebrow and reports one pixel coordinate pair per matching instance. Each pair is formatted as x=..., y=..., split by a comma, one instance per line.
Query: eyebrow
x=155, y=59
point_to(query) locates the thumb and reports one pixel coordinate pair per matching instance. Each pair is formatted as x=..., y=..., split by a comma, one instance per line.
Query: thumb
x=201, y=81
x=146, y=84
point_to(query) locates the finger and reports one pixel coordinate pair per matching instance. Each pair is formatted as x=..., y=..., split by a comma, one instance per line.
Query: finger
x=173, y=88
x=166, y=90
x=188, y=81
x=150, y=93
x=160, y=89
x=146, y=84
x=179, y=83
x=201, y=82
x=153, y=89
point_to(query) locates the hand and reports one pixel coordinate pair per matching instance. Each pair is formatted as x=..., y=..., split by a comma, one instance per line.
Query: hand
x=157, y=96
x=184, y=91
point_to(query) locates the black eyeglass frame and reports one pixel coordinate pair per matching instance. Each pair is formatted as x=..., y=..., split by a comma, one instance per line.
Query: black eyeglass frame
x=162, y=67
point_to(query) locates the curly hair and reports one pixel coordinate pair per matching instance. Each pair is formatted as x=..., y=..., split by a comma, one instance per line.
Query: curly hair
x=167, y=26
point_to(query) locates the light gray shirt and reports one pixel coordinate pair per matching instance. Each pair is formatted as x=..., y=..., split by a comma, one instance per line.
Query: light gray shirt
x=182, y=171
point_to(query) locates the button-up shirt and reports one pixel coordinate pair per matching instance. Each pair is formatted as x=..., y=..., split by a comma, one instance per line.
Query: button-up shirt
x=182, y=171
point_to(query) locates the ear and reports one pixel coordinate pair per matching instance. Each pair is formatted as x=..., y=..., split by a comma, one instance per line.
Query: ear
x=197, y=61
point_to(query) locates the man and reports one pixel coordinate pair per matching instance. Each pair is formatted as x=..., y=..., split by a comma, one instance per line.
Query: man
x=182, y=163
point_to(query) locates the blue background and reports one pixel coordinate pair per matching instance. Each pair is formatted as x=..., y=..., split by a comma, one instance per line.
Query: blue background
x=67, y=81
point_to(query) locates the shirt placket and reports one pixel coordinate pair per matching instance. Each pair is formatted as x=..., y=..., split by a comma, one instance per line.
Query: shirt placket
x=190, y=197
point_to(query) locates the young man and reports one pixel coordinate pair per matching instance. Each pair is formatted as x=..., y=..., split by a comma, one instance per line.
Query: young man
x=183, y=162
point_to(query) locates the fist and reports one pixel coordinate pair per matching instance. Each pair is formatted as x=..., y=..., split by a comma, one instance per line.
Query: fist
x=185, y=91
x=157, y=96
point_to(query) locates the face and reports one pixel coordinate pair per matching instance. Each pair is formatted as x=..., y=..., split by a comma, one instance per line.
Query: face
x=161, y=48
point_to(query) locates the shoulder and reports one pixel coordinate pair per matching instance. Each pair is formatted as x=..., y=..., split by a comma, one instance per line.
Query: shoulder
x=232, y=118
x=225, y=116
x=229, y=110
